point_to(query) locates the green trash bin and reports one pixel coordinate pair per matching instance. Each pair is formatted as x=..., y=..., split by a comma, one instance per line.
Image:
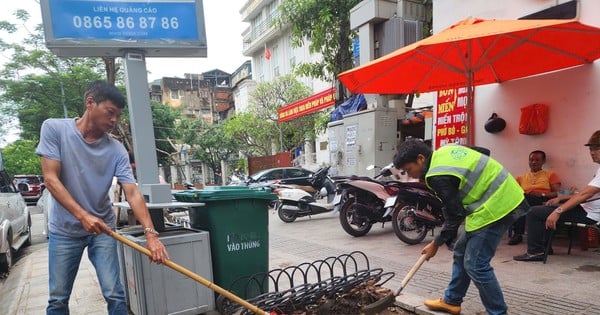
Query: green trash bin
x=236, y=218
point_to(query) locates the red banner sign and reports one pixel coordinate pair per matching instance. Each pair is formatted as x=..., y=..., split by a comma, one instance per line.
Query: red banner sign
x=308, y=105
x=451, y=117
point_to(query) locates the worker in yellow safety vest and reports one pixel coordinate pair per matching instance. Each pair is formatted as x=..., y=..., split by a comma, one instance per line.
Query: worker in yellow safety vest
x=475, y=189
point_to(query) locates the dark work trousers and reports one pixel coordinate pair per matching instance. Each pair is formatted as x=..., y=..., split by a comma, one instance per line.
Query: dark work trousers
x=518, y=228
x=537, y=233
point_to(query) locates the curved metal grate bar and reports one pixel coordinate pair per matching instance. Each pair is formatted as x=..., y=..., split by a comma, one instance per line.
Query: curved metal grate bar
x=296, y=287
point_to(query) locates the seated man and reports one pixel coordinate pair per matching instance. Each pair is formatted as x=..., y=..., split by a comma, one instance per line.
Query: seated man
x=539, y=185
x=575, y=209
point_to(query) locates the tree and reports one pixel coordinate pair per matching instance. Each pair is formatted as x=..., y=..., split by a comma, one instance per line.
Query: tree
x=164, y=118
x=20, y=158
x=269, y=97
x=326, y=25
x=210, y=143
x=255, y=134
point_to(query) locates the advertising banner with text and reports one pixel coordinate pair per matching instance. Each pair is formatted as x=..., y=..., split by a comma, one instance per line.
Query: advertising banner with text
x=307, y=105
x=451, y=117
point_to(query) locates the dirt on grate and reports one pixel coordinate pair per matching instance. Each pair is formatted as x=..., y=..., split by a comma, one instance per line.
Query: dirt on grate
x=352, y=302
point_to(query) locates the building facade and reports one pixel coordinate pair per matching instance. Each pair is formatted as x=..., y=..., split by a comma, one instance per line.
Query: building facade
x=272, y=55
x=207, y=96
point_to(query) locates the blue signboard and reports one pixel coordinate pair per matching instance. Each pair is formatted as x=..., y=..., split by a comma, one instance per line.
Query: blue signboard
x=123, y=20
x=160, y=27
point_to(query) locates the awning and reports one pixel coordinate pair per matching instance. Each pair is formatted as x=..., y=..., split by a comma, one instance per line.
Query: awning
x=307, y=105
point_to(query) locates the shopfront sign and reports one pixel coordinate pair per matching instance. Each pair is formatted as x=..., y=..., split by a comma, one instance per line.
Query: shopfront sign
x=451, y=117
x=159, y=27
x=308, y=105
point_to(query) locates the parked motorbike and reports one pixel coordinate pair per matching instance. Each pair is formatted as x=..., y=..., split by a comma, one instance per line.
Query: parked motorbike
x=361, y=201
x=416, y=210
x=298, y=201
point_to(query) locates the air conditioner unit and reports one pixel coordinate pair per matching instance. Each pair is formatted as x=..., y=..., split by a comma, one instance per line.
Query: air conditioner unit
x=396, y=33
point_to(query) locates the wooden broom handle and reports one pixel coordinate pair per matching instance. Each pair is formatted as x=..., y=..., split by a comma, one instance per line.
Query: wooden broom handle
x=413, y=270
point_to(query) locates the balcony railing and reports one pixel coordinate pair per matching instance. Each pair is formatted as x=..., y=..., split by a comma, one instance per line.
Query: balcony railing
x=258, y=30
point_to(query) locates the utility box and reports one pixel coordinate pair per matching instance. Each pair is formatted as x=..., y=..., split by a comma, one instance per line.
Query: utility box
x=369, y=137
x=335, y=135
x=154, y=289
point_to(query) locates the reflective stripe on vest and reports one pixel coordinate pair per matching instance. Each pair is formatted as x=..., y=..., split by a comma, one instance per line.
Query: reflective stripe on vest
x=488, y=192
x=470, y=176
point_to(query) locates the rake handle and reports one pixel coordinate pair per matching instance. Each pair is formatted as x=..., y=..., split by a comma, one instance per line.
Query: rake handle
x=194, y=276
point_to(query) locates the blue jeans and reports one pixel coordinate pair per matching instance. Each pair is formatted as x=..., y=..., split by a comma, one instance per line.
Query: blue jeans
x=473, y=252
x=64, y=256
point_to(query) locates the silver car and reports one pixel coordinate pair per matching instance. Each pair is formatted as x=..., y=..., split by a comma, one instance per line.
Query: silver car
x=45, y=204
x=15, y=220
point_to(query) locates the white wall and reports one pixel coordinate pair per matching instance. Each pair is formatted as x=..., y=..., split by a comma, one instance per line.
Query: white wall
x=573, y=96
x=242, y=95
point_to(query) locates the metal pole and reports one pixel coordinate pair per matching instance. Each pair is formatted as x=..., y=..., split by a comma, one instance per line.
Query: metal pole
x=142, y=131
x=62, y=97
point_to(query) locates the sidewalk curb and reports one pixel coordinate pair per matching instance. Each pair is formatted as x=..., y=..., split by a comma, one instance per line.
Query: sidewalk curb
x=16, y=286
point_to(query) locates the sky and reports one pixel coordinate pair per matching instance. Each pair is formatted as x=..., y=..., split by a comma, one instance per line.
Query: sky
x=223, y=34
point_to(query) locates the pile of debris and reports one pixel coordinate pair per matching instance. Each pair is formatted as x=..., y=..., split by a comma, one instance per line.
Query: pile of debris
x=351, y=302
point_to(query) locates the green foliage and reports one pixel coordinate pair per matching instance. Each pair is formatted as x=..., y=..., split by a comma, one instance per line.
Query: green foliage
x=34, y=98
x=252, y=131
x=326, y=24
x=165, y=133
x=20, y=158
x=210, y=143
x=268, y=98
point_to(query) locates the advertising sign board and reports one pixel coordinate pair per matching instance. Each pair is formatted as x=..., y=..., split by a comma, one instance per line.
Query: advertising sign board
x=451, y=117
x=95, y=28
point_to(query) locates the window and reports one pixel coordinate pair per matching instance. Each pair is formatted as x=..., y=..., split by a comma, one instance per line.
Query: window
x=175, y=94
x=275, y=174
x=293, y=173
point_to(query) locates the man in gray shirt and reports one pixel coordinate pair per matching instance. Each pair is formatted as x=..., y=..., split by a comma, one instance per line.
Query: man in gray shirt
x=79, y=160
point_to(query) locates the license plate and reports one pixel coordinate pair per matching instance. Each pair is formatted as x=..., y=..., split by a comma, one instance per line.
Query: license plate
x=337, y=199
x=390, y=202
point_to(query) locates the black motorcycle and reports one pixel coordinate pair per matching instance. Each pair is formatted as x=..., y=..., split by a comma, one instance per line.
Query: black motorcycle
x=416, y=210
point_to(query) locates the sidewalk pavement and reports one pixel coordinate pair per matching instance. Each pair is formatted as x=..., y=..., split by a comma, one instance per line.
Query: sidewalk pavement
x=567, y=284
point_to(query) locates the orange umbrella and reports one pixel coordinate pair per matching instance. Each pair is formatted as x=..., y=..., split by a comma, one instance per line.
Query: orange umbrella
x=476, y=52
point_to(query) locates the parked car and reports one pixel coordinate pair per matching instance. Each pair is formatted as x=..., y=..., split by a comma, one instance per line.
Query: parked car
x=15, y=220
x=287, y=175
x=44, y=203
x=30, y=186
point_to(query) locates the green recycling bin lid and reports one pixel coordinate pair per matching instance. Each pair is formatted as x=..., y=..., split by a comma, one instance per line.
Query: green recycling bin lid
x=210, y=193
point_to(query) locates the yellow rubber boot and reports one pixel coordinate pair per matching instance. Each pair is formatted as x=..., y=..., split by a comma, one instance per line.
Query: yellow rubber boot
x=440, y=305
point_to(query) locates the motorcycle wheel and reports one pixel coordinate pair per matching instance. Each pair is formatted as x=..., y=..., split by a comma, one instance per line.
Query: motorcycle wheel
x=350, y=221
x=406, y=228
x=285, y=215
